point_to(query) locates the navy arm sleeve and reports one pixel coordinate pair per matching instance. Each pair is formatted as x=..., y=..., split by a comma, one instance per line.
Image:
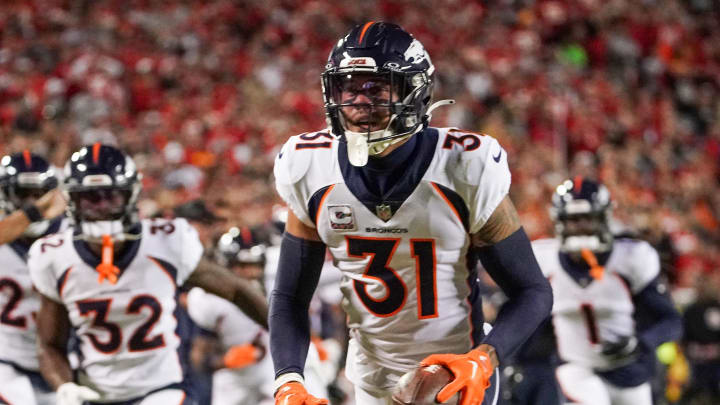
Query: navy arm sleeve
x=658, y=321
x=297, y=278
x=512, y=265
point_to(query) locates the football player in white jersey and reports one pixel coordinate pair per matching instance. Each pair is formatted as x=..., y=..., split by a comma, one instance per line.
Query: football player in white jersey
x=405, y=210
x=33, y=207
x=610, y=311
x=114, y=280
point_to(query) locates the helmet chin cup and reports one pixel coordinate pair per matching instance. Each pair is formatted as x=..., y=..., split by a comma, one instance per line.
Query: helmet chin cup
x=575, y=243
x=93, y=231
x=357, y=148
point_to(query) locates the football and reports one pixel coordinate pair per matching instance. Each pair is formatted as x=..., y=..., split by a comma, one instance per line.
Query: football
x=421, y=385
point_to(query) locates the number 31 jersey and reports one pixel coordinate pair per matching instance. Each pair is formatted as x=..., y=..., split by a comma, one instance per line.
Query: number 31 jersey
x=406, y=282
x=127, y=331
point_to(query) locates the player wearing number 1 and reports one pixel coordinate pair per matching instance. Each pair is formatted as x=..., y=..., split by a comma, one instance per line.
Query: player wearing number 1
x=405, y=210
x=611, y=311
x=113, y=278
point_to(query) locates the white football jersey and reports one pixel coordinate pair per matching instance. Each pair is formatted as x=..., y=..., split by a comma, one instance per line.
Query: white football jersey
x=233, y=327
x=405, y=277
x=585, y=316
x=127, y=331
x=19, y=303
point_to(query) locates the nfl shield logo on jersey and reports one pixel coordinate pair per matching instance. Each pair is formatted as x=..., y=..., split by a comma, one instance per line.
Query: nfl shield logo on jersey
x=383, y=211
x=341, y=217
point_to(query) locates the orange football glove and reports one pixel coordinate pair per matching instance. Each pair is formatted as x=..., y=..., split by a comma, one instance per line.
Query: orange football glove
x=472, y=373
x=294, y=393
x=242, y=356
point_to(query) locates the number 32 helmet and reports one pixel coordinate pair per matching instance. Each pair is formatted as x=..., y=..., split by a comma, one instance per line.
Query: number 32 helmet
x=102, y=185
x=581, y=210
x=387, y=53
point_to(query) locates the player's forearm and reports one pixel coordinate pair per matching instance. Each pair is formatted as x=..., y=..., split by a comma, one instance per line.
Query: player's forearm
x=298, y=273
x=13, y=226
x=668, y=322
x=252, y=303
x=54, y=365
x=513, y=266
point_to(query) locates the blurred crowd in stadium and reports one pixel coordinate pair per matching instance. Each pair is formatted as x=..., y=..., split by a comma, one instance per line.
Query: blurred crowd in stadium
x=203, y=93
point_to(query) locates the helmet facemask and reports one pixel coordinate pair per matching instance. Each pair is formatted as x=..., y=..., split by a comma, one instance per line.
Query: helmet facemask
x=104, y=211
x=375, y=108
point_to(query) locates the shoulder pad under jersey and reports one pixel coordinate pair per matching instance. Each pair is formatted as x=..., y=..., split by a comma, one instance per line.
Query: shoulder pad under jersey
x=639, y=262
x=477, y=166
x=305, y=164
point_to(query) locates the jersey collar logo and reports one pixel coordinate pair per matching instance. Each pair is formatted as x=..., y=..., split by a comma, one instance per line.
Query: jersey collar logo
x=384, y=212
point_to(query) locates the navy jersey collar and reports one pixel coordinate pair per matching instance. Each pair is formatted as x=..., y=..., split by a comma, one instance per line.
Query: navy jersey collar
x=122, y=260
x=580, y=271
x=390, y=180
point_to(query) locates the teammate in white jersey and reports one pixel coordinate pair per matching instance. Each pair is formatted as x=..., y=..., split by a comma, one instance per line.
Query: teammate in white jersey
x=33, y=208
x=610, y=311
x=405, y=210
x=114, y=280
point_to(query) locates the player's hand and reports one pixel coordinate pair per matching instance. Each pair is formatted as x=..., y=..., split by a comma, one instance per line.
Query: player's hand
x=622, y=349
x=242, y=356
x=472, y=373
x=51, y=204
x=72, y=394
x=294, y=393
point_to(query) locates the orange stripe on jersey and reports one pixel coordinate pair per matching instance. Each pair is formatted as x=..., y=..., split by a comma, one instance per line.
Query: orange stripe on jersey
x=322, y=201
x=28, y=158
x=66, y=274
x=96, y=152
x=182, y=400
x=444, y=197
x=364, y=30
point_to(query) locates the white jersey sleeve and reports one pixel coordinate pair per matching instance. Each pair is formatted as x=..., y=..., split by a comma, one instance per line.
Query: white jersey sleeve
x=192, y=249
x=482, y=177
x=201, y=310
x=303, y=166
x=642, y=263
x=42, y=271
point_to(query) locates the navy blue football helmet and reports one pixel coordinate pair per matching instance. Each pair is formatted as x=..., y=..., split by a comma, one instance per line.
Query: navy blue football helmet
x=24, y=177
x=240, y=246
x=581, y=210
x=383, y=53
x=102, y=185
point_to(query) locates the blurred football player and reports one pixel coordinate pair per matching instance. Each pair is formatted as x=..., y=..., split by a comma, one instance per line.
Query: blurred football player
x=404, y=208
x=33, y=207
x=114, y=280
x=230, y=344
x=610, y=309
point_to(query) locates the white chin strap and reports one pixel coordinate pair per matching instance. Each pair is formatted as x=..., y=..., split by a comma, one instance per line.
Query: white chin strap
x=359, y=148
x=578, y=242
x=93, y=231
x=36, y=229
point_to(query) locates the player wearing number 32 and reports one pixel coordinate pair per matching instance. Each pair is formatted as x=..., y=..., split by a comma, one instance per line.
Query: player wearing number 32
x=610, y=311
x=405, y=210
x=113, y=278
